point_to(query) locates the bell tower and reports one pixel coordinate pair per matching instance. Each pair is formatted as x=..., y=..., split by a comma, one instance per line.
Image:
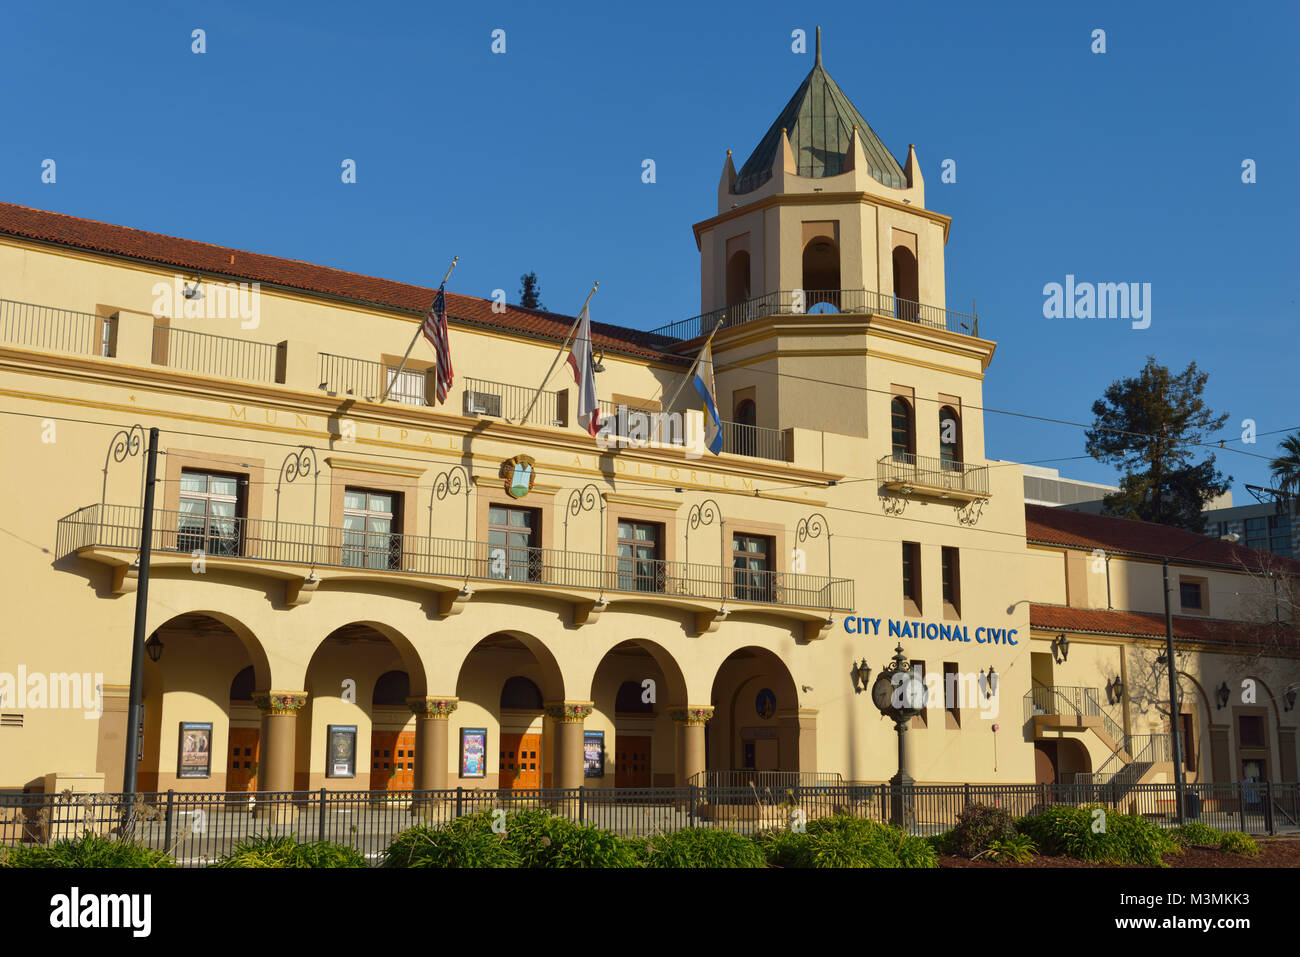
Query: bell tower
x=821, y=257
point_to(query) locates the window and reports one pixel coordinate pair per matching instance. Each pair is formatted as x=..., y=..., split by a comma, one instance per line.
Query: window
x=639, y=565
x=911, y=578
x=920, y=720
x=108, y=336
x=901, y=427
x=751, y=555
x=521, y=694
x=1188, y=742
x=368, y=539
x=512, y=543
x=1250, y=731
x=407, y=388
x=743, y=429
x=209, y=518
x=631, y=699
x=949, y=438
x=1190, y=594
x=391, y=690
x=951, y=583
x=951, y=697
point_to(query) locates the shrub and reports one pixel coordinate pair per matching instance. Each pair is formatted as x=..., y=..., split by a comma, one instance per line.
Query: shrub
x=1235, y=842
x=89, y=850
x=1110, y=838
x=846, y=841
x=542, y=839
x=268, y=851
x=703, y=847
x=465, y=842
x=1196, y=832
x=978, y=825
x=1018, y=849
x=942, y=843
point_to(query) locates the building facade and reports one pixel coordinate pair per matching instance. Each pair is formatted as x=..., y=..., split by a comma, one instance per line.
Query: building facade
x=355, y=587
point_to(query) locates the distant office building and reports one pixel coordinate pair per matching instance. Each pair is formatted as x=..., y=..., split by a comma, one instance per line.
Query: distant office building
x=1044, y=486
x=1260, y=526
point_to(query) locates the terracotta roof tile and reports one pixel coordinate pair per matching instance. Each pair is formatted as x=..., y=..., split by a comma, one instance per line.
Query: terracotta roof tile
x=1138, y=624
x=1056, y=526
x=191, y=256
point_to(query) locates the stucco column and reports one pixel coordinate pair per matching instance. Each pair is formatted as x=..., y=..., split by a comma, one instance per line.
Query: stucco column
x=431, y=722
x=275, y=765
x=689, y=723
x=568, y=717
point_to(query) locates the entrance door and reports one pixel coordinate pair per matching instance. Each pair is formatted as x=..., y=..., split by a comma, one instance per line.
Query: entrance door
x=632, y=761
x=521, y=761
x=241, y=771
x=392, y=760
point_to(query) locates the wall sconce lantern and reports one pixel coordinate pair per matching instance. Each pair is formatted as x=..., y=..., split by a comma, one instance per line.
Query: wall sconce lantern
x=1289, y=697
x=989, y=682
x=153, y=647
x=1115, y=690
x=861, y=673
x=1060, y=648
x=1221, y=695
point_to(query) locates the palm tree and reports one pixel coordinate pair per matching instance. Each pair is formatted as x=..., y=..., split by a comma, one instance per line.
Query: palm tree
x=1286, y=467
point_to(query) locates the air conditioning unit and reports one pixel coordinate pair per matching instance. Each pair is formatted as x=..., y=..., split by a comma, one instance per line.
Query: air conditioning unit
x=482, y=403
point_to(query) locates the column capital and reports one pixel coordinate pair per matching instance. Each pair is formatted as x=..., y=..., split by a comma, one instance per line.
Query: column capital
x=280, y=702
x=570, y=712
x=433, y=707
x=691, y=714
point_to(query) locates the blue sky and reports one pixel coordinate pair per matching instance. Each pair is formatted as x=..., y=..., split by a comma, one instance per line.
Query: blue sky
x=1115, y=167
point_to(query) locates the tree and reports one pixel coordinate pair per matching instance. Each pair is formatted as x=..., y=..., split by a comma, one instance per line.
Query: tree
x=1149, y=426
x=530, y=291
x=1286, y=467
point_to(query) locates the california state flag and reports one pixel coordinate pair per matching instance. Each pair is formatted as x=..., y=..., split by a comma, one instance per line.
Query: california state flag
x=584, y=376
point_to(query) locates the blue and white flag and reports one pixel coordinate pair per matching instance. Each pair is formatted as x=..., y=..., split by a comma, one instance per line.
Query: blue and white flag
x=704, y=386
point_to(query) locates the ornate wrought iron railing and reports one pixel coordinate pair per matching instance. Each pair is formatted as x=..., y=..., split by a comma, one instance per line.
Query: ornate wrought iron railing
x=118, y=526
x=787, y=302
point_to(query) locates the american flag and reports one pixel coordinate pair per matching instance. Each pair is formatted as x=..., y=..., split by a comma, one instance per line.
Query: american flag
x=435, y=330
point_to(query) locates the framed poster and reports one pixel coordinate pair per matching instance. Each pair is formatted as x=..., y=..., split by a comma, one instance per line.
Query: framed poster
x=341, y=760
x=593, y=754
x=473, y=752
x=195, y=750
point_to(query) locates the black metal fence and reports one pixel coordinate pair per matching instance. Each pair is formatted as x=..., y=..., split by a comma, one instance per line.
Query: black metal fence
x=198, y=829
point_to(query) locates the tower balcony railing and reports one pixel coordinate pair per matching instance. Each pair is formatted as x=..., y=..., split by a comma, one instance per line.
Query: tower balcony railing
x=789, y=302
x=905, y=470
x=454, y=560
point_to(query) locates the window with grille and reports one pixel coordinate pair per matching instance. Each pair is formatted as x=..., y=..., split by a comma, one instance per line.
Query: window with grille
x=949, y=438
x=209, y=519
x=639, y=565
x=512, y=543
x=912, y=578
x=407, y=388
x=901, y=427
x=368, y=522
x=951, y=567
x=751, y=558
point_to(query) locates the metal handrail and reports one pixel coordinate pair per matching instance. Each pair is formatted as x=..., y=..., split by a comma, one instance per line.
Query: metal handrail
x=49, y=329
x=216, y=355
x=512, y=402
x=786, y=302
x=117, y=526
x=913, y=469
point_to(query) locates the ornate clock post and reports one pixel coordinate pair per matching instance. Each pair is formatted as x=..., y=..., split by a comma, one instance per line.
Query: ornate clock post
x=899, y=693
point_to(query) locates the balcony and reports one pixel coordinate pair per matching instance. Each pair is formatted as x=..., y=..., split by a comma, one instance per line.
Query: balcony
x=911, y=474
x=50, y=329
x=293, y=552
x=793, y=302
x=220, y=356
x=623, y=422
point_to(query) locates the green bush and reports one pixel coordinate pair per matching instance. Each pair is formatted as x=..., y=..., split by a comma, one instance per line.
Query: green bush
x=978, y=825
x=1018, y=849
x=846, y=841
x=89, y=850
x=1110, y=838
x=1235, y=842
x=465, y=842
x=542, y=839
x=268, y=851
x=703, y=847
x=942, y=843
x=1196, y=832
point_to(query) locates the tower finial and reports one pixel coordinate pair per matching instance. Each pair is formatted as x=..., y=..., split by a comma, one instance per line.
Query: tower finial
x=819, y=47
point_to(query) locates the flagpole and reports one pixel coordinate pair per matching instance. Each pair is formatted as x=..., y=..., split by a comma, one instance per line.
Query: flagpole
x=418, y=328
x=567, y=339
x=691, y=370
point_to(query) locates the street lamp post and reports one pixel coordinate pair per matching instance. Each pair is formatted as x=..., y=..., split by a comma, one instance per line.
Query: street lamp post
x=1173, y=699
x=899, y=694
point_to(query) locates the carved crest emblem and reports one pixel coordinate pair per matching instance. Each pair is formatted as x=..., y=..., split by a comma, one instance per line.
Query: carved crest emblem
x=518, y=473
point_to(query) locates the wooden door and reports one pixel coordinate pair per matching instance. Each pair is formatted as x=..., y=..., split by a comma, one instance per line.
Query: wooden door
x=520, y=761
x=632, y=761
x=392, y=760
x=241, y=771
